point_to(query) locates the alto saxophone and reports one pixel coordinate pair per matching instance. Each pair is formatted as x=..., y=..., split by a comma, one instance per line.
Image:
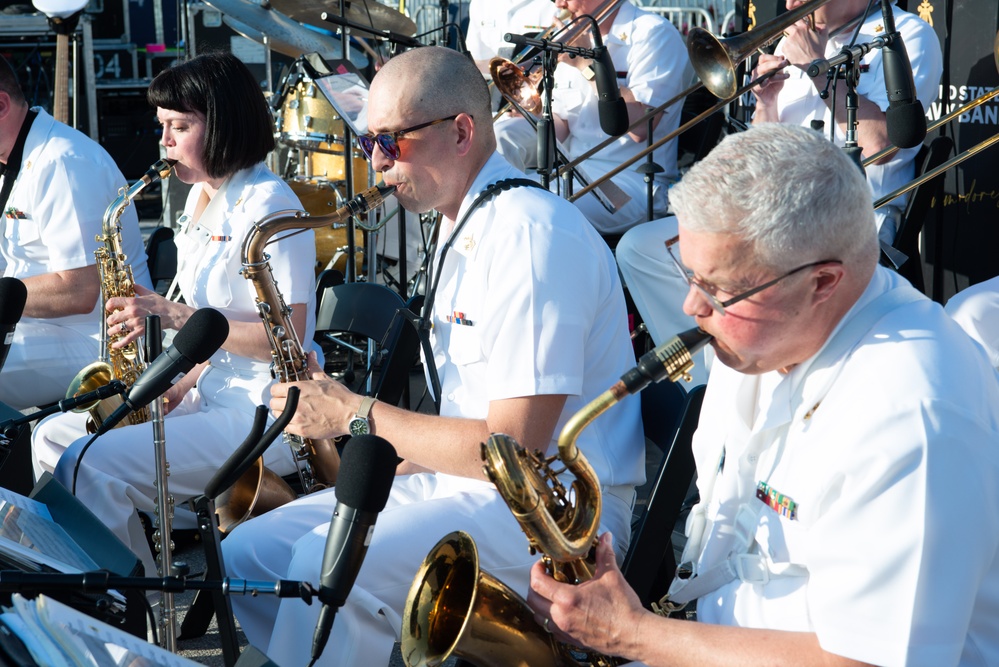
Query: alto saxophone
x=317, y=460
x=125, y=363
x=455, y=608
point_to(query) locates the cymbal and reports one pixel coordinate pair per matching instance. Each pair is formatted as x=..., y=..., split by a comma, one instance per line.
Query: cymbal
x=364, y=12
x=284, y=35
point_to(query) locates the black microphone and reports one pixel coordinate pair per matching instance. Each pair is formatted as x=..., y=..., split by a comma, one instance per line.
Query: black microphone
x=362, y=489
x=13, y=296
x=198, y=339
x=905, y=116
x=612, y=108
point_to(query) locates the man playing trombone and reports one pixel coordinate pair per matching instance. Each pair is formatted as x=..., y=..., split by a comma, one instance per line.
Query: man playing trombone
x=652, y=67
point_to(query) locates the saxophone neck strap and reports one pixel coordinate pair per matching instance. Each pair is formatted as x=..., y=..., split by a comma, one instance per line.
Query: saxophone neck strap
x=426, y=321
x=13, y=166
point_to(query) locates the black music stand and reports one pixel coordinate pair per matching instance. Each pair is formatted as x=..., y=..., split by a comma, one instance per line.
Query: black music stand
x=103, y=547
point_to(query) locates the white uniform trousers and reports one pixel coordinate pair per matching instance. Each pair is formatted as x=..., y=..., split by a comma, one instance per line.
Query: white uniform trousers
x=42, y=361
x=656, y=287
x=516, y=141
x=118, y=472
x=288, y=543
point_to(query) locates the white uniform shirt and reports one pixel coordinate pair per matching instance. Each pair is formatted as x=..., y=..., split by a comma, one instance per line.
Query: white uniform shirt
x=651, y=60
x=56, y=208
x=798, y=102
x=976, y=309
x=210, y=259
x=889, y=456
x=505, y=328
x=489, y=21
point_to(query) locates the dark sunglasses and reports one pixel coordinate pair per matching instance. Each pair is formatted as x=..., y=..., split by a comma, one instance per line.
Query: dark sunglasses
x=389, y=142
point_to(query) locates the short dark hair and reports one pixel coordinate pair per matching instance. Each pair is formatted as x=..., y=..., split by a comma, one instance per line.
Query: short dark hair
x=9, y=83
x=239, y=131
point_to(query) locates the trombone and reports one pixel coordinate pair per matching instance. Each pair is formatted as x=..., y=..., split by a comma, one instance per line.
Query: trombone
x=715, y=61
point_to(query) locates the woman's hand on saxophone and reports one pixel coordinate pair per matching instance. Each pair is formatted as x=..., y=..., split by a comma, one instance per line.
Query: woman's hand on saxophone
x=126, y=319
x=603, y=614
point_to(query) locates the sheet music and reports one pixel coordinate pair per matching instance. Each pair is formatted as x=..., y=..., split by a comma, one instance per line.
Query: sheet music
x=41, y=540
x=57, y=635
x=25, y=503
x=348, y=93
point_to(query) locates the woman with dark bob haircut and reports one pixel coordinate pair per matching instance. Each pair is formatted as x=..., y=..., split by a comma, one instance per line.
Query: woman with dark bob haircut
x=216, y=125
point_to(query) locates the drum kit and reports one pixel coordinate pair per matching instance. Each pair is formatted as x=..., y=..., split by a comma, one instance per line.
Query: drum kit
x=314, y=144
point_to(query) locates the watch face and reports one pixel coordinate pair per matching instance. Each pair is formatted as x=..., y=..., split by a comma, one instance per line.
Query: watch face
x=358, y=426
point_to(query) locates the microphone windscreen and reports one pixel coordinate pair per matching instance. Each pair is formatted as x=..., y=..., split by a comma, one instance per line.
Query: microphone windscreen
x=367, y=469
x=906, y=124
x=13, y=296
x=202, y=335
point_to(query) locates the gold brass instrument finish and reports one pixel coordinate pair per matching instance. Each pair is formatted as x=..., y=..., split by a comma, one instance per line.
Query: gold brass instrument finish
x=514, y=84
x=259, y=489
x=126, y=363
x=455, y=608
x=715, y=60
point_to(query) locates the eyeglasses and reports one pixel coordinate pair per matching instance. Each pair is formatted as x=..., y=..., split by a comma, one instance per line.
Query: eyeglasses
x=708, y=290
x=389, y=141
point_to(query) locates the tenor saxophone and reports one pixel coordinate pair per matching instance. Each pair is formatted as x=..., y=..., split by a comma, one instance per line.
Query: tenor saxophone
x=125, y=363
x=455, y=608
x=317, y=460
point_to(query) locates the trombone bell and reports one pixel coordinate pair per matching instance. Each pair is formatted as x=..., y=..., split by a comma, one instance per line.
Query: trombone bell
x=716, y=60
x=515, y=85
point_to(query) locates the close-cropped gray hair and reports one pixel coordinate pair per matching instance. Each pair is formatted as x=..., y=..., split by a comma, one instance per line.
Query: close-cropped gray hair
x=786, y=190
x=443, y=82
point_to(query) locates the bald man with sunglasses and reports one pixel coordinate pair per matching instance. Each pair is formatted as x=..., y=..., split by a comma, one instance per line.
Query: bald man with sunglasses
x=528, y=325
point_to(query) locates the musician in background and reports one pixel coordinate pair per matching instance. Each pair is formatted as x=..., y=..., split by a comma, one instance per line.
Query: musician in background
x=976, y=309
x=489, y=21
x=216, y=123
x=55, y=184
x=652, y=67
x=846, y=453
x=791, y=96
x=528, y=325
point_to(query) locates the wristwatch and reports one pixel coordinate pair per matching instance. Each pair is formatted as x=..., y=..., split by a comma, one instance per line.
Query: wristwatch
x=360, y=424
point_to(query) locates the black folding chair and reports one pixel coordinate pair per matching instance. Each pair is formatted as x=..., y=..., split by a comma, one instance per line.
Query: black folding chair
x=650, y=562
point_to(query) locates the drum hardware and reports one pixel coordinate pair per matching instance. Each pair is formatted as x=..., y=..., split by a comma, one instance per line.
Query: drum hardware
x=716, y=61
x=276, y=30
x=373, y=14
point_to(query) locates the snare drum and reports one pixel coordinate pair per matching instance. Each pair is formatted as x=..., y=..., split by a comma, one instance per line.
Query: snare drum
x=321, y=197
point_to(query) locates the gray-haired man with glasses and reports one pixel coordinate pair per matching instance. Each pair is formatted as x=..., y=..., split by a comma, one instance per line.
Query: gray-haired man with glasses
x=848, y=445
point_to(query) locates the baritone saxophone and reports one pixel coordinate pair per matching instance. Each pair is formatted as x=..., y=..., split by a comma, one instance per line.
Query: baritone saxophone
x=317, y=460
x=456, y=608
x=126, y=363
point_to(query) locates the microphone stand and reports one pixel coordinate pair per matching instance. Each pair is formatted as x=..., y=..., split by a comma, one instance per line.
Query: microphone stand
x=650, y=169
x=16, y=581
x=545, y=127
x=8, y=428
x=547, y=149
x=849, y=60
